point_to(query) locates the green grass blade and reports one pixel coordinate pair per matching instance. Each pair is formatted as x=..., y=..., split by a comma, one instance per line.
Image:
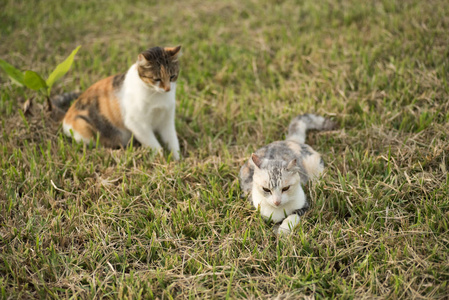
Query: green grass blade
x=34, y=81
x=13, y=73
x=61, y=69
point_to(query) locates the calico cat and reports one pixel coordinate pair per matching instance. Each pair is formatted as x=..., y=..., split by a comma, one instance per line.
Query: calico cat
x=274, y=174
x=140, y=102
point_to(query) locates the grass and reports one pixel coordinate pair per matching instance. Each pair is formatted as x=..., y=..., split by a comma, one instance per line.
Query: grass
x=89, y=223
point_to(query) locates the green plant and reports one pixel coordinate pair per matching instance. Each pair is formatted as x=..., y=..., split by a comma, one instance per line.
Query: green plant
x=34, y=81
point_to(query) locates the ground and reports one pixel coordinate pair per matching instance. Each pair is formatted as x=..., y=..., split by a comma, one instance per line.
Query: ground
x=91, y=222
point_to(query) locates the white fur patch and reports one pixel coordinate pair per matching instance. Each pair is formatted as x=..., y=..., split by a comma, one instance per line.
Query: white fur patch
x=313, y=166
x=68, y=130
x=147, y=110
x=300, y=134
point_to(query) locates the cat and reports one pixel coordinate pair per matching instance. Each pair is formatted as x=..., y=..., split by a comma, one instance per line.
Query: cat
x=139, y=103
x=274, y=174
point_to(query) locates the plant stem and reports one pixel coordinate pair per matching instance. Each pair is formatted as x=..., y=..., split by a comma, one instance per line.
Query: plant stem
x=49, y=106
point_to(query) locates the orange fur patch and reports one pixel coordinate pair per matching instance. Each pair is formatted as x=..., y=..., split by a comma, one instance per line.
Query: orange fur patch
x=81, y=126
x=98, y=101
x=109, y=105
x=165, y=79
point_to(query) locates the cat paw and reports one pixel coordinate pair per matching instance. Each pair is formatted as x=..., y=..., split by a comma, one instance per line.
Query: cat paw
x=283, y=231
x=159, y=152
x=279, y=230
x=288, y=224
x=175, y=155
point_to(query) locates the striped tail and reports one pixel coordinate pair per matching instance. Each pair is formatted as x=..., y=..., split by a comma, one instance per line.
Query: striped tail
x=299, y=126
x=61, y=104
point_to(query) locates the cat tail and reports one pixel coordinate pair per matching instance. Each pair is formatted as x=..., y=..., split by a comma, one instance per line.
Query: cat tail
x=61, y=104
x=298, y=126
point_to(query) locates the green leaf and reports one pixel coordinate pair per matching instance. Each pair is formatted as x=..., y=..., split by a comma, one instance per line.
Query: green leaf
x=61, y=69
x=15, y=74
x=34, y=81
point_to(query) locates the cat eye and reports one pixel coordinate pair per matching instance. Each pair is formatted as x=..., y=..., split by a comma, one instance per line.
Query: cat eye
x=266, y=190
x=172, y=77
x=285, y=188
x=157, y=79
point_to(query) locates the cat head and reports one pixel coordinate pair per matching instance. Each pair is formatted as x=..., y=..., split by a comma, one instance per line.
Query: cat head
x=159, y=67
x=275, y=181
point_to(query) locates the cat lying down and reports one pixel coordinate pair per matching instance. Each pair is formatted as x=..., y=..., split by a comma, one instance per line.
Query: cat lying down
x=274, y=174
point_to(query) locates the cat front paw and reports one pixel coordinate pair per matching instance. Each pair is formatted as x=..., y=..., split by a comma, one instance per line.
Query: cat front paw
x=288, y=224
x=282, y=231
x=278, y=230
x=176, y=155
x=157, y=152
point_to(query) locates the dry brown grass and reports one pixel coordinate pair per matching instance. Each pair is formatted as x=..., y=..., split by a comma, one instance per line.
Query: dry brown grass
x=77, y=222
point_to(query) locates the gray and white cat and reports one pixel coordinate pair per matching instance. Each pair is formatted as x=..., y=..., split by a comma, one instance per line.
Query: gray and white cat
x=274, y=174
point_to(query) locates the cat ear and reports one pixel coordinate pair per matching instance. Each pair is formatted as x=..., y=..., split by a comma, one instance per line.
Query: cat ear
x=292, y=165
x=174, y=52
x=255, y=161
x=141, y=60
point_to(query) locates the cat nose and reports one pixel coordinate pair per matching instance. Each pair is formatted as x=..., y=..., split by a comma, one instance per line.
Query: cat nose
x=167, y=88
x=277, y=202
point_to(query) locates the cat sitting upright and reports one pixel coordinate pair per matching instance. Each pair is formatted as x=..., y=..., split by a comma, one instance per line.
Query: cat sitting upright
x=274, y=173
x=140, y=102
